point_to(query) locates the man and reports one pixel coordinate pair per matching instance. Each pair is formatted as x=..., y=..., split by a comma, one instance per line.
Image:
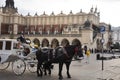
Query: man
x=21, y=39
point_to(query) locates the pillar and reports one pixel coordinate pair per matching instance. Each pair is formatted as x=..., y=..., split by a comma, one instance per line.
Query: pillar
x=15, y=31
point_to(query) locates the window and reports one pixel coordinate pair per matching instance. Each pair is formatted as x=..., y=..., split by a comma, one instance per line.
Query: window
x=16, y=45
x=1, y=45
x=8, y=45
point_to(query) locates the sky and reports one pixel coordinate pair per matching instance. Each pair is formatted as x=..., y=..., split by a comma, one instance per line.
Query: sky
x=109, y=9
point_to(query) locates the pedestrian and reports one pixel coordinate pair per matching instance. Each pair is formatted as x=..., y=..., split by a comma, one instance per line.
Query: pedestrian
x=87, y=56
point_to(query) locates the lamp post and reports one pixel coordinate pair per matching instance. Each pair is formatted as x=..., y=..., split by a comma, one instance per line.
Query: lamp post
x=102, y=41
x=102, y=30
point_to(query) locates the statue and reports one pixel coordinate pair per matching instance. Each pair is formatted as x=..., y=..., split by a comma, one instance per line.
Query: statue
x=87, y=23
x=91, y=10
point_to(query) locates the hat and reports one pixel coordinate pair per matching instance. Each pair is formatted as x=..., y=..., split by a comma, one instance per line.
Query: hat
x=36, y=46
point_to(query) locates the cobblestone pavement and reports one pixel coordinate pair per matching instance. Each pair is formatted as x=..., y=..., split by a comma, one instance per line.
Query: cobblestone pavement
x=80, y=70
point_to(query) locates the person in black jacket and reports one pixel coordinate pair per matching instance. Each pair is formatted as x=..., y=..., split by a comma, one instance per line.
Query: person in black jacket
x=21, y=39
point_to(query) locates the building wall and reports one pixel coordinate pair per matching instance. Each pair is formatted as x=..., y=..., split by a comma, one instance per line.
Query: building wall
x=62, y=26
x=116, y=34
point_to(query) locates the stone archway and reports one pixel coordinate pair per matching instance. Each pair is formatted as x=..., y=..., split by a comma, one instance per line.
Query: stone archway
x=65, y=42
x=54, y=43
x=45, y=43
x=36, y=41
x=76, y=42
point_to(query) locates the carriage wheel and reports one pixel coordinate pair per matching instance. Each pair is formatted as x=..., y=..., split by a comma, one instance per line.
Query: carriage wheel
x=19, y=67
x=32, y=66
x=4, y=66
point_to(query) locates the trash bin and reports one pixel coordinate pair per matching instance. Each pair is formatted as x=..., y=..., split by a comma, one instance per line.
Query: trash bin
x=98, y=56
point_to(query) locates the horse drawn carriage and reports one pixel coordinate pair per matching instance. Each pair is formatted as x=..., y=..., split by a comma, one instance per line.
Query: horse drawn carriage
x=21, y=55
x=17, y=54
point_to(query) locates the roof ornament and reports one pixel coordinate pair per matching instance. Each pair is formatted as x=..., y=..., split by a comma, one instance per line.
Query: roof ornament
x=36, y=14
x=80, y=10
x=52, y=13
x=44, y=13
x=91, y=10
x=61, y=12
x=28, y=14
x=98, y=13
x=95, y=10
x=10, y=3
x=71, y=12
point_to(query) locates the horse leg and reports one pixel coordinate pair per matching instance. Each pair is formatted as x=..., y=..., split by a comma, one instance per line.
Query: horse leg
x=49, y=68
x=49, y=71
x=39, y=70
x=60, y=70
x=67, y=67
x=45, y=68
x=45, y=71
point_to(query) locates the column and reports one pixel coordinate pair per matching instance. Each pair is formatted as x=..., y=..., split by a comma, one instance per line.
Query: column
x=15, y=27
x=87, y=37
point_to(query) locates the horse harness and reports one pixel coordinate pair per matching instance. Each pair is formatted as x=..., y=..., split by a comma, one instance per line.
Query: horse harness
x=55, y=54
x=62, y=51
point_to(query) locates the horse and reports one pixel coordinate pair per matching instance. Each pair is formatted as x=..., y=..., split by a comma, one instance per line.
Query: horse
x=61, y=55
x=43, y=56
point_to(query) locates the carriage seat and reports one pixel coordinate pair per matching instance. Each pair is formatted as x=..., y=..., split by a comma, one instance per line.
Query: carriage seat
x=26, y=51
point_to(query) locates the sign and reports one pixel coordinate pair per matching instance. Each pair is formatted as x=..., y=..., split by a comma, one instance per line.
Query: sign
x=102, y=29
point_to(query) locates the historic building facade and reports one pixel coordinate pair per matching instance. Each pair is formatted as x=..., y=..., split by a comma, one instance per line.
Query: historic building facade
x=52, y=30
x=116, y=34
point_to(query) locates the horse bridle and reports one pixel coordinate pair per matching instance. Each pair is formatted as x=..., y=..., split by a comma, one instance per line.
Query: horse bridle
x=76, y=49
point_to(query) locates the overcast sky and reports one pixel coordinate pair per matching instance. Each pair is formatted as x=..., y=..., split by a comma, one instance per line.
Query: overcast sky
x=109, y=9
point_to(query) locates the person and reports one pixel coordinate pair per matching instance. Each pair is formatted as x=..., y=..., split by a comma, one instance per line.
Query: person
x=79, y=55
x=21, y=39
x=35, y=48
x=85, y=49
x=87, y=56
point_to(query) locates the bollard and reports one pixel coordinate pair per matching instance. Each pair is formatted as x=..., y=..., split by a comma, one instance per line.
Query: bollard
x=0, y=58
x=98, y=56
